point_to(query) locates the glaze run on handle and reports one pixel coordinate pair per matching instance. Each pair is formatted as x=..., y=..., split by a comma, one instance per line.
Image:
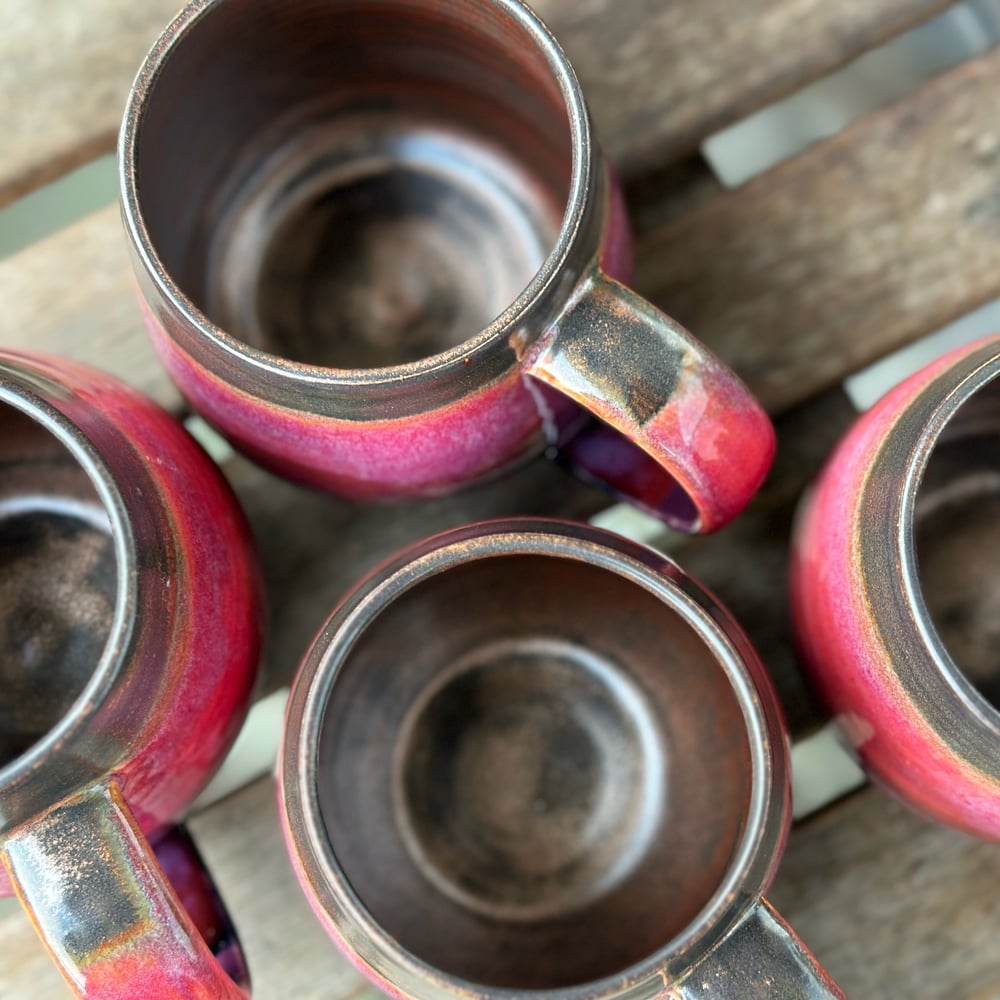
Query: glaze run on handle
x=104, y=908
x=678, y=433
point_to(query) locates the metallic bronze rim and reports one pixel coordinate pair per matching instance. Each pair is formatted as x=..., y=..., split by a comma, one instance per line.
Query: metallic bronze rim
x=957, y=713
x=766, y=824
x=26, y=390
x=489, y=348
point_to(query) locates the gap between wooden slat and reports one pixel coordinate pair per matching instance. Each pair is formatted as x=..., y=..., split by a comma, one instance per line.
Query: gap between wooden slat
x=850, y=250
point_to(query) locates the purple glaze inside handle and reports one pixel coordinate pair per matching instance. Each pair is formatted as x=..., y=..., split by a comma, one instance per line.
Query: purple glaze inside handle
x=601, y=455
x=185, y=869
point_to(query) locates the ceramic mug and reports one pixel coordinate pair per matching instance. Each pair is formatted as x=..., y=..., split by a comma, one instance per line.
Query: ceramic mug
x=129, y=636
x=377, y=246
x=895, y=586
x=533, y=759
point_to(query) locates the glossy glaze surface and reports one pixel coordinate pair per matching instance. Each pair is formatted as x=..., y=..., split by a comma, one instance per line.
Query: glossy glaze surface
x=164, y=650
x=531, y=773
x=403, y=364
x=914, y=719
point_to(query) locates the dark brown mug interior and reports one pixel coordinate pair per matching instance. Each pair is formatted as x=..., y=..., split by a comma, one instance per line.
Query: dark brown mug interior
x=58, y=580
x=532, y=772
x=957, y=539
x=353, y=184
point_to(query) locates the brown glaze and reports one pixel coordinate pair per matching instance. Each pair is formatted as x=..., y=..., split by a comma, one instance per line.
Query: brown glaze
x=354, y=185
x=58, y=581
x=513, y=762
x=957, y=536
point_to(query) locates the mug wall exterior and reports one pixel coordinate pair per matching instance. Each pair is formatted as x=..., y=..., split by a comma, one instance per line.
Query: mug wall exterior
x=153, y=714
x=689, y=443
x=176, y=678
x=916, y=723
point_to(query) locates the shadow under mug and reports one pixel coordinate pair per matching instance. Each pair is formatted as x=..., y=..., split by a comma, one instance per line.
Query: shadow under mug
x=533, y=759
x=377, y=247
x=129, y=637
x=895, y=588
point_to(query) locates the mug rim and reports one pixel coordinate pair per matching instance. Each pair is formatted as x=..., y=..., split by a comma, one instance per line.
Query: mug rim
x=342, y=912
x=546, y=280
x=963, y=379
x=16, y=393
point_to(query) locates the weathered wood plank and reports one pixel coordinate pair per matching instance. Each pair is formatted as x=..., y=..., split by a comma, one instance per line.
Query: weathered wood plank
x=314, y=547
x=746, y=564
x=892, y=905
x=855, y=247
x=72, y=295
x=64, y=74
x=659, y=76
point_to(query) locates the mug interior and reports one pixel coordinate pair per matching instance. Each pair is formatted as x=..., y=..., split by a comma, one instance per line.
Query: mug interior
x=532, y=772
x=353, y=184
x=957, y=535
x=58, y=580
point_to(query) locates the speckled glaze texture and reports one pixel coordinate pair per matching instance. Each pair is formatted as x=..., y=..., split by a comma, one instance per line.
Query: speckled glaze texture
x=916, y=723
x=157, y=712
x=377, y=894
x=575, y=362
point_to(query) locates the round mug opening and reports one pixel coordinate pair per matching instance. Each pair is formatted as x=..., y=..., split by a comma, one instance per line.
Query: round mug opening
x=355, y=186
x=511, y=764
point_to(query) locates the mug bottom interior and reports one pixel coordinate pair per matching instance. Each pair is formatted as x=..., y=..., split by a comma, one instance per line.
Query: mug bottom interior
x=582, y=778
x=957, y=536
x=532, y=772
x=58, y=581
x=376, y=239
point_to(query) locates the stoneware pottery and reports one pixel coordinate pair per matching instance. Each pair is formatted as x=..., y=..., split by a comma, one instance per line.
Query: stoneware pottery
x=531, y=759
x=377, y=246
x=896, y=588
x=129, y=635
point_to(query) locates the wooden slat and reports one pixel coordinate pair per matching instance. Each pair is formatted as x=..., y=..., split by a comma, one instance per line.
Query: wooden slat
x=893, y=906
x=858, y=245
x=65, y=69
x=659, y=76
x=853, y=248
x=746, y=564
x=72, y=295
x=313, y=547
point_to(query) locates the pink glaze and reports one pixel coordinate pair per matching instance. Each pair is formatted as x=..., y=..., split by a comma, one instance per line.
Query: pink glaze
x=425, y=454
x=186, y=676
x=849, y=660
x=429, y=453
x=217, y=592
x=712, y=438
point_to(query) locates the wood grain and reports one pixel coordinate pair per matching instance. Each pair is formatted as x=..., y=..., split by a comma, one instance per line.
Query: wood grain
x=314, y=547
x=855, y=247
x=659, y=76
x=64, y=74
x=860, y=244
x=72, y=295
x=893, y=906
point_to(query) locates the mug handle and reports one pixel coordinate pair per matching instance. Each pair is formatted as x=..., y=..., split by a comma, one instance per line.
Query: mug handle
x=761, y=958
x=105, y=910
x=680, y=435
